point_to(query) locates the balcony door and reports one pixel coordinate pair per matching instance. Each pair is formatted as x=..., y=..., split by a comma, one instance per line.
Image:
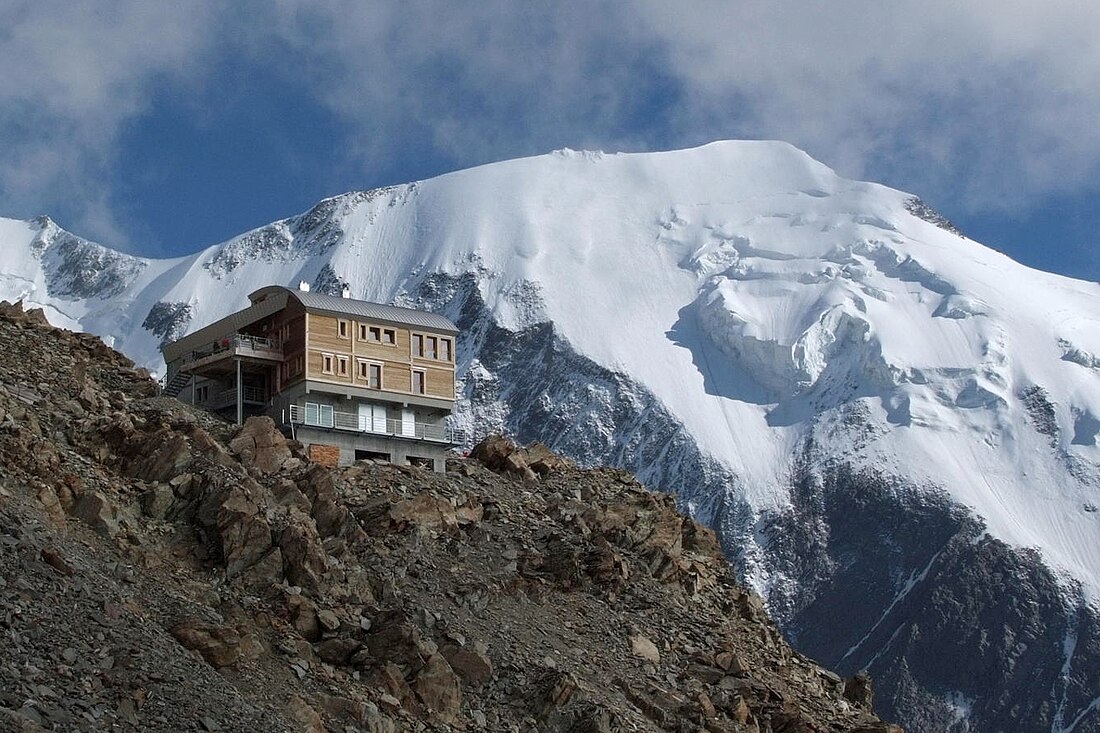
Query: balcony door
x=408, y=422
x=372, y=418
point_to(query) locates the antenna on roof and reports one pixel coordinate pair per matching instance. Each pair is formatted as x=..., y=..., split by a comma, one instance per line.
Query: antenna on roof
x=345, y=292
x=303, y=286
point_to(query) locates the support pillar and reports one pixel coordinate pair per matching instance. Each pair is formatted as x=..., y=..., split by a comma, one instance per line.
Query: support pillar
x=240, y=395
x=192, y=389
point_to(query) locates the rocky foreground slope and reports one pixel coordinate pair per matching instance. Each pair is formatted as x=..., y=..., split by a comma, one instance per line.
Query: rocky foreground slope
x=160, y=572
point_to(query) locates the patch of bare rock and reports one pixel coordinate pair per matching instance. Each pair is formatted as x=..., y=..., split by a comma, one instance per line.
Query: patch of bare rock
x=161, y=570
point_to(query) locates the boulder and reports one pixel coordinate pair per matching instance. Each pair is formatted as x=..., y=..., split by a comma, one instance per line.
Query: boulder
x=303, y=614
x=437, y=687
x=544, y=461
x=398, y=695
x=492, y=451
x=307, y=719
x=12, y=311
x=52, y=504
x=328, y=619
x=240, y=526
x=640, y=646
x=731, y=662
x=162, y=456
x=37, y=316
x=219, y=645
x=337, y=650
x=426, y=512
x=304, y=559
x=267, y=571
x=287, y=493
x=366, y=714
x=260, y=445
x=98, y=512
x=472, y=666
x=157, y=501
x=858, y=690
x=396, y=640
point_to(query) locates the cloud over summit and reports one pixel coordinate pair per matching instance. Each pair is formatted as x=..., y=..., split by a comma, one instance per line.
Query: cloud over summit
x=990, y=104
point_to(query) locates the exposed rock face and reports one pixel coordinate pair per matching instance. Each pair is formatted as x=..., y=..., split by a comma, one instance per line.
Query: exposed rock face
x=303, y=236
x=944, y=585
x=918, y=208
x=78, y=268
x=243, y=588
x=168, y=321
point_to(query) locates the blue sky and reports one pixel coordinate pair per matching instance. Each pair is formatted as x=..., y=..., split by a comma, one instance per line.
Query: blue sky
x=159, y=128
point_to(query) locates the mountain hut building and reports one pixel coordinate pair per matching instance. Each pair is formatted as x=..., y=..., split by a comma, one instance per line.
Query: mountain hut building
x=348, y=378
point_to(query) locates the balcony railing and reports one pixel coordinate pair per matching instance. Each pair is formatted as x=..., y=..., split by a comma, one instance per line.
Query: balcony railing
x=254, y=395
x=241, y=344
x=323, y=416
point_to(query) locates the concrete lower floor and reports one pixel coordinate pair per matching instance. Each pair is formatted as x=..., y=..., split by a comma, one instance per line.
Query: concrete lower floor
x=337, y=447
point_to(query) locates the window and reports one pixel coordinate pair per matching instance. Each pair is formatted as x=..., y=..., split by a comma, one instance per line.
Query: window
x=342, y=365
x=445, y=349
x=389, y=336
x=202, y=393
x=343, y=327
x=321, y=415
x=362, y=332
x=418, y=345
x=326, y=363
x=418, y=381
x=432, y=348
x=371, y=373
x=375, y=333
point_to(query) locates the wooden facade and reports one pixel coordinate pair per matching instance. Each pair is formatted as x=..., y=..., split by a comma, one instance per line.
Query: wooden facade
x=339, y=359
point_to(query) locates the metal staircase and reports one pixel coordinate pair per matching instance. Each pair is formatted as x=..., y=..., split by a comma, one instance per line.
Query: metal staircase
x=176, y=384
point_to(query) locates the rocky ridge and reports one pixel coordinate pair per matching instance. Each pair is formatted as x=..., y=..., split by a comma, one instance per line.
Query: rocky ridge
x=160, y=570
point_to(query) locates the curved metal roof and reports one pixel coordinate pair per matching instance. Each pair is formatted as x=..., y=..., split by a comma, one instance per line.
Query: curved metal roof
x=362, y=308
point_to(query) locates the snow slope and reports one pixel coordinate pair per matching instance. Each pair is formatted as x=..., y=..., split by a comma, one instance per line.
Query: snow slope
x=759, y=296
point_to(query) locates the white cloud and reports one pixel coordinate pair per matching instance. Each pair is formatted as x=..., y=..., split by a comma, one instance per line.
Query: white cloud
x=498, y=79
x=994, y=102
x=75, y=72
x=987, y=103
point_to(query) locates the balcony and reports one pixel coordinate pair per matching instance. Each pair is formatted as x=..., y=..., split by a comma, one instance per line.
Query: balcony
x=323, y=416
x=233, y=345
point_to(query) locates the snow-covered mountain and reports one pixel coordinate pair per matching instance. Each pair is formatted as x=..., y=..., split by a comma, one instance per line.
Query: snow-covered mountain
x=893, y=427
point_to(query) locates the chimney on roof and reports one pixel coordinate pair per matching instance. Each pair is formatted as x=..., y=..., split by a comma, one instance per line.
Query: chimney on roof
x=345, y=292
x=303, y=286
